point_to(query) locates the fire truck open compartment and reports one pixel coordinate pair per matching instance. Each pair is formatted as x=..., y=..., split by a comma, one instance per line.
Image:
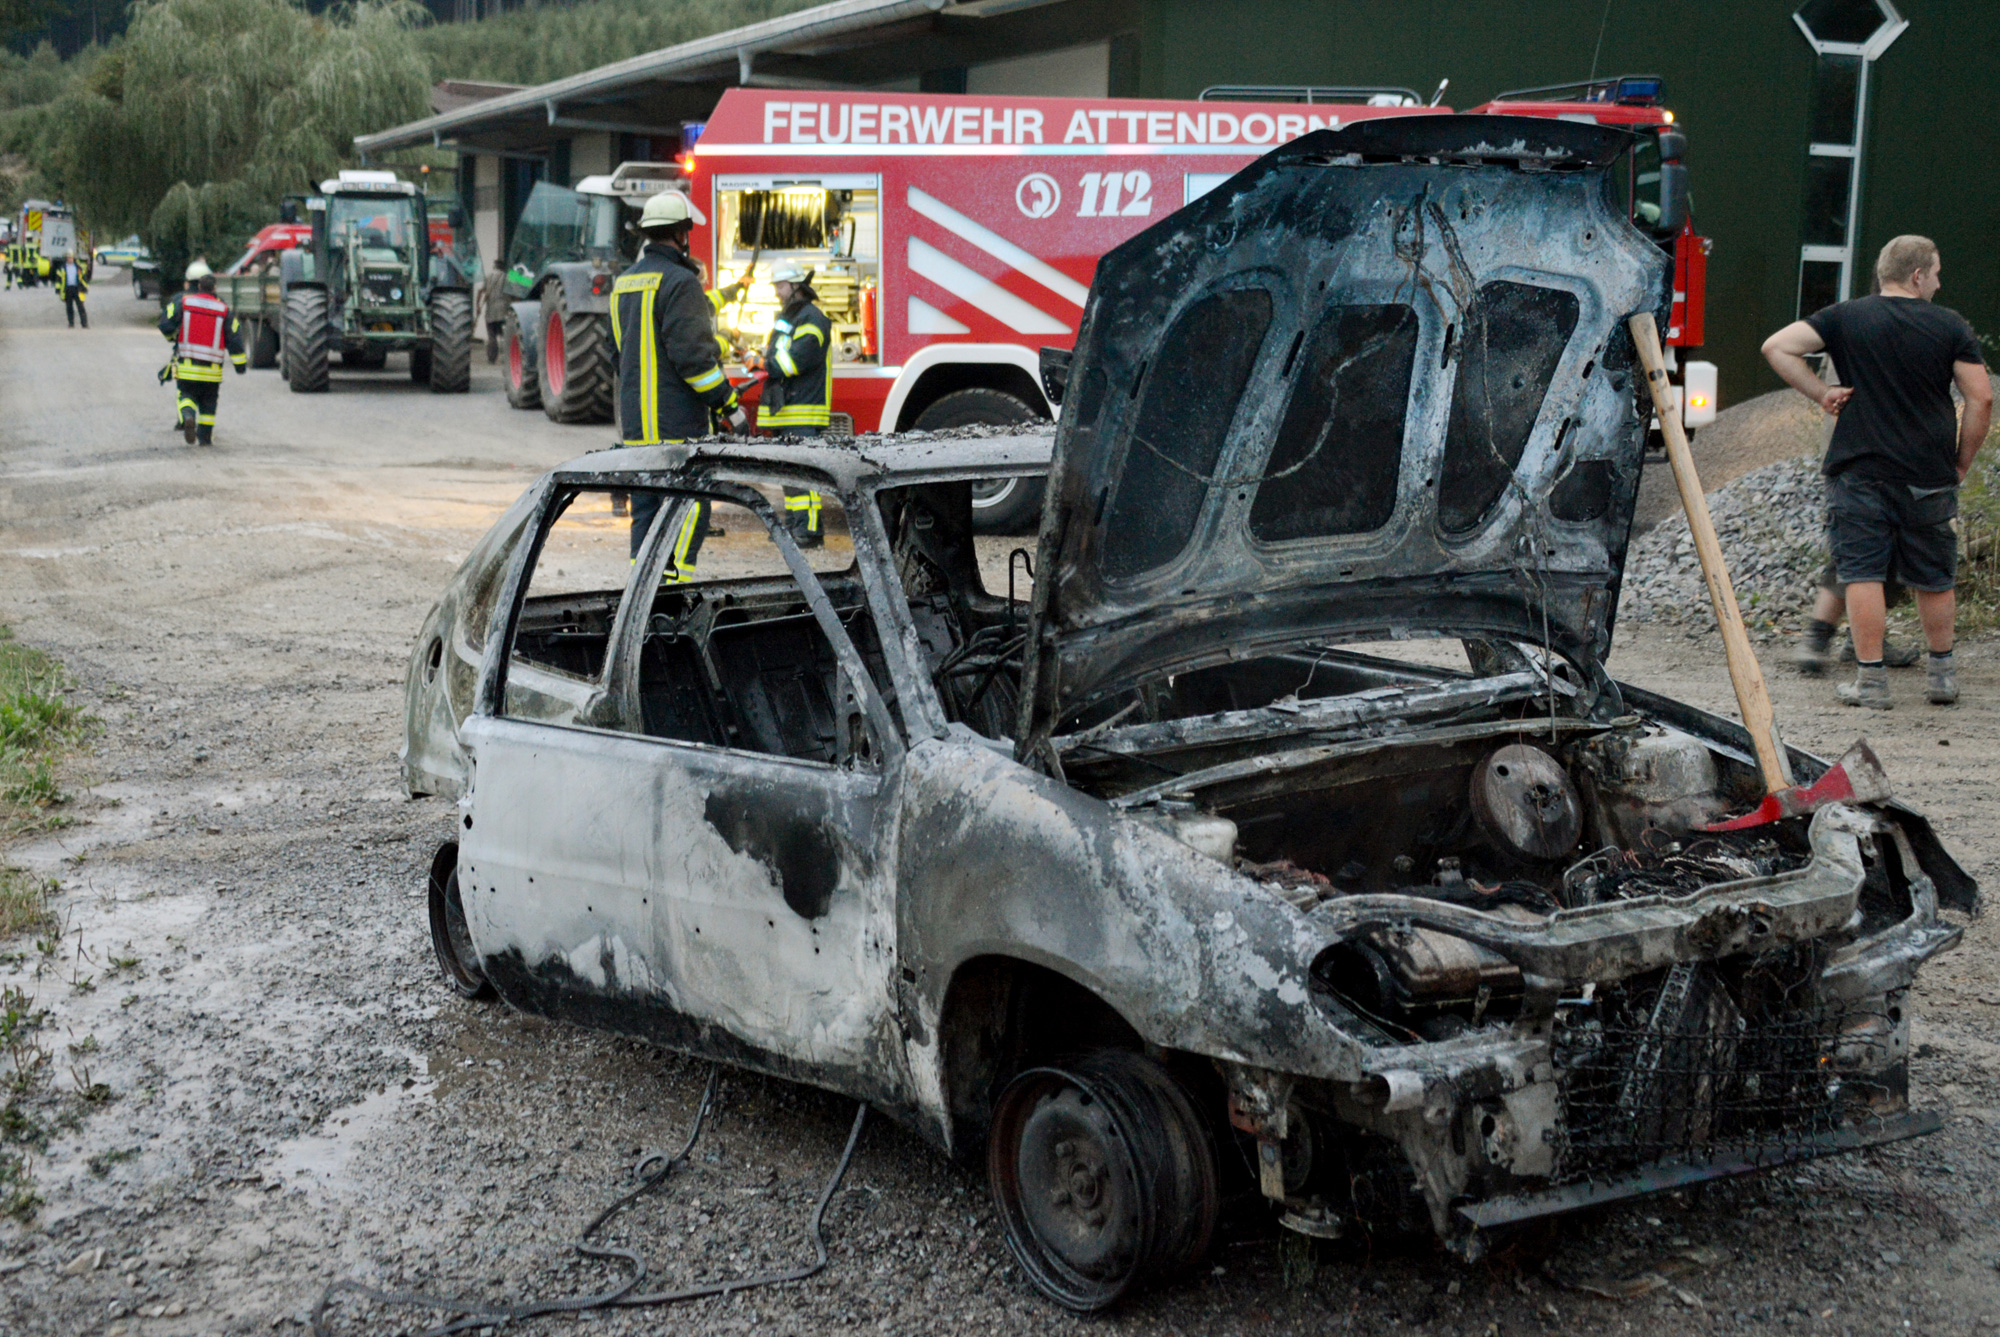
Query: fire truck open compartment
x=827, y=224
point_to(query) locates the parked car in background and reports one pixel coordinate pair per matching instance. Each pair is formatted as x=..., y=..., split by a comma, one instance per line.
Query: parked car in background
x=121, y=255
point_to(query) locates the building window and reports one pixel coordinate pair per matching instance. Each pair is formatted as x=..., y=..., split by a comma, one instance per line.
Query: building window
x=1847, y=37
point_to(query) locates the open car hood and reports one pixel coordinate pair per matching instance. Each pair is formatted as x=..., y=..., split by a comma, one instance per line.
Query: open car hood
x=1377, y=384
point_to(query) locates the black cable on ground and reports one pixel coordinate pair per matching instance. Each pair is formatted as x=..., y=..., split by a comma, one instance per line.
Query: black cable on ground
x=479, y=1313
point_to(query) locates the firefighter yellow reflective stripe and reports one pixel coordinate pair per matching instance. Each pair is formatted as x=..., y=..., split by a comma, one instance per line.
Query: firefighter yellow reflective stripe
x=187, y=369
x=647, y=286
x=797, y=415
x=808, y=502
x=683, y=569
x=708, y=380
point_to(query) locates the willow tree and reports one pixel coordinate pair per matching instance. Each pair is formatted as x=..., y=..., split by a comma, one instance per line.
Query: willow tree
x=208, y=111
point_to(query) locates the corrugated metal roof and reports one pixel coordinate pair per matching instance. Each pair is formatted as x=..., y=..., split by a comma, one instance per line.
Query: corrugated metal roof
x=721, y=52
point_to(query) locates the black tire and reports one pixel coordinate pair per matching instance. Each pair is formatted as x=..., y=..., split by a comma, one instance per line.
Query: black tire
x=524, y=386
x=138, y=288
x=999, y=505
x=307, y=341
x=457, y=958
x=420, y=366
x=1104, y=1176
x=578, y=368
x=495, y=336
x=264, y=346
x=450, y=353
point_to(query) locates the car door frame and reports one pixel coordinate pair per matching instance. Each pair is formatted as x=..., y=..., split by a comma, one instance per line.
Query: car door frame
x=863, y=1059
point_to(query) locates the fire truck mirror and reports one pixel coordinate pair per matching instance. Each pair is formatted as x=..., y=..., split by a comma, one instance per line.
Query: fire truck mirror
x=1055, y=373
x=1673, y=197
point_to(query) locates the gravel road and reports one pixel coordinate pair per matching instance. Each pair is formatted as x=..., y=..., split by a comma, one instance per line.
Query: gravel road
x=259, y=1085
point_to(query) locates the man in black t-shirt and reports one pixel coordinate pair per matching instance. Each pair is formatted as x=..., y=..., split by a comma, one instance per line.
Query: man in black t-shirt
x=1898, y=451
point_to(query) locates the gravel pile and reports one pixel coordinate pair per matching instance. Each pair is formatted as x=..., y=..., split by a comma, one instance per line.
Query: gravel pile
x=1771, y=523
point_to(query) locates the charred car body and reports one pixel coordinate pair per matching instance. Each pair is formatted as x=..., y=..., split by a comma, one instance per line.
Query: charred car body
x=1144, y=887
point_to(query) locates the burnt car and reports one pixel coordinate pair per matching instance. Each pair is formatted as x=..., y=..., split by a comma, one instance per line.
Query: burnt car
x=1162, y=868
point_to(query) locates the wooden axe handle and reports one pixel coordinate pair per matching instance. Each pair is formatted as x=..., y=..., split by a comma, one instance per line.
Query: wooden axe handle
x=1744, y=673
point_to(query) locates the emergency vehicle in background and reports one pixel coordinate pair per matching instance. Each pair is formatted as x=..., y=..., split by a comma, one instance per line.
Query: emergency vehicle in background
x=953, y=237
x=44, y=232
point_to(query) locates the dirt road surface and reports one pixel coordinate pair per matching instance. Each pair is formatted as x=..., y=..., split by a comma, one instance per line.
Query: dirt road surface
x=284, y=1094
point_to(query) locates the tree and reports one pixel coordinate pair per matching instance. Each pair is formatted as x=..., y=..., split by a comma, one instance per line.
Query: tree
x=208, y=111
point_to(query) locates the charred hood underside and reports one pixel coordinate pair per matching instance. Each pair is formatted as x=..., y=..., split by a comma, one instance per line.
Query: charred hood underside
x=1376, y=384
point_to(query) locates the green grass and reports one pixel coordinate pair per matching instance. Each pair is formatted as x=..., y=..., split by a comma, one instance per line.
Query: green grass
x=39, y=725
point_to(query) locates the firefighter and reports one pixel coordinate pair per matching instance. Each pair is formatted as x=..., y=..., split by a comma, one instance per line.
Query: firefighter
x=73, y=286
x=202, y=330
x=798, y=390
x=671, y=385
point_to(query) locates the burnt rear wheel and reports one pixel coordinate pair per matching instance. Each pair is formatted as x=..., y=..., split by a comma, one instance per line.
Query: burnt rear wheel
x=450, y=938
x=1104, y=1176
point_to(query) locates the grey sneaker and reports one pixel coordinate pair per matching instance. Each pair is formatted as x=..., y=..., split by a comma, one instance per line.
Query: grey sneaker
x=1943, y=682
x=1811, y=659
x=1870, y=688
x=1893, y=655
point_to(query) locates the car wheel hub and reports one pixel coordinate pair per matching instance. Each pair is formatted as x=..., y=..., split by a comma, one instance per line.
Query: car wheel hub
x=1079, y=1188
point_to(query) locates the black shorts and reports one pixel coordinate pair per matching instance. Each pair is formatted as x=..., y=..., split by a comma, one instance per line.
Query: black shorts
x=1879, y=528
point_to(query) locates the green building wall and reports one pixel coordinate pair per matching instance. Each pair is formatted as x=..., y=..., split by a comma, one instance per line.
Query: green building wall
x=1737, y=76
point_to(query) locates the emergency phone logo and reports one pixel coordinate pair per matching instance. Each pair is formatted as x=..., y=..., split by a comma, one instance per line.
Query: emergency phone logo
x=1038, y=195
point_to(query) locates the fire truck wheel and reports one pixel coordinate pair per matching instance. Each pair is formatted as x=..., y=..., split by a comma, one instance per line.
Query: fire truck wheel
x=578, y=365
x=524, y=386
x=999, y=505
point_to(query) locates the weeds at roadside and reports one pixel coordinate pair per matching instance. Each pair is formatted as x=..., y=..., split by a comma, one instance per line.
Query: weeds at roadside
x=38, y=726
x=24, y=903
x=21, y=1130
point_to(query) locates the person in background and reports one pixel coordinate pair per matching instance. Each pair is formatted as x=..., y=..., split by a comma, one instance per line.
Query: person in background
x=1898, y=452
x=73, y=286
x=671, y=385
x=203, y=333
x=798, y=394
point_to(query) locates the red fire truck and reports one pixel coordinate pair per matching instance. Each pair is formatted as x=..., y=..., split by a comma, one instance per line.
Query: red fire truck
x=952, y=237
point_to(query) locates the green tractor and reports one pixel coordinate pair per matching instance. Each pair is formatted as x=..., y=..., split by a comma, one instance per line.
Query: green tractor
x=551, y=309
x=370, y=285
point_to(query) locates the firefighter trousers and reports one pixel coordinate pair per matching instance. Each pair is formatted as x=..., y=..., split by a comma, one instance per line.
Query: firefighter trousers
x=197, y=398
x=74, y=308
x=802, y=505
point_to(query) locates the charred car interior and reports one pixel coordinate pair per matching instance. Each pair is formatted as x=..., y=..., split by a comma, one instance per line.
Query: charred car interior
x=1156, y=868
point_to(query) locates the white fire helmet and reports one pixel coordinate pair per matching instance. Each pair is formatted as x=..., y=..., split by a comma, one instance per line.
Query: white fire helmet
x=668, y=208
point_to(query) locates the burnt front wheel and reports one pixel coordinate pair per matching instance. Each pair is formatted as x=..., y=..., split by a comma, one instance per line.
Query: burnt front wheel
x=1104, y=1176
x=450, y=938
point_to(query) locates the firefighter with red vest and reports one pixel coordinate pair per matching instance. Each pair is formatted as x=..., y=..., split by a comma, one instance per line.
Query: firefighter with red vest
x=202, y=331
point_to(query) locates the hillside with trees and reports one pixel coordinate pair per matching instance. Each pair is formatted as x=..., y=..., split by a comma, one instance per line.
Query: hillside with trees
x=188, y=126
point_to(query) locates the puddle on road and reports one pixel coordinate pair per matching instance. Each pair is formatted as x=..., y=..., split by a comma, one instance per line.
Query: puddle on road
x=323, y=1162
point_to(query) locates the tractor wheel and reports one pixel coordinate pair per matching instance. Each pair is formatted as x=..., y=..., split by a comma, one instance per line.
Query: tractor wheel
x=420, y=366
x=307, y=336
x=450, y=353
x=578, y=366
x=264, y=345
x=496, y=335
x=999, y=505
x=524, y=388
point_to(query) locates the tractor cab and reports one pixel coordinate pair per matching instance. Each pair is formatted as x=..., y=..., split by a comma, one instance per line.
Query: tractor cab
x=371, y=241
